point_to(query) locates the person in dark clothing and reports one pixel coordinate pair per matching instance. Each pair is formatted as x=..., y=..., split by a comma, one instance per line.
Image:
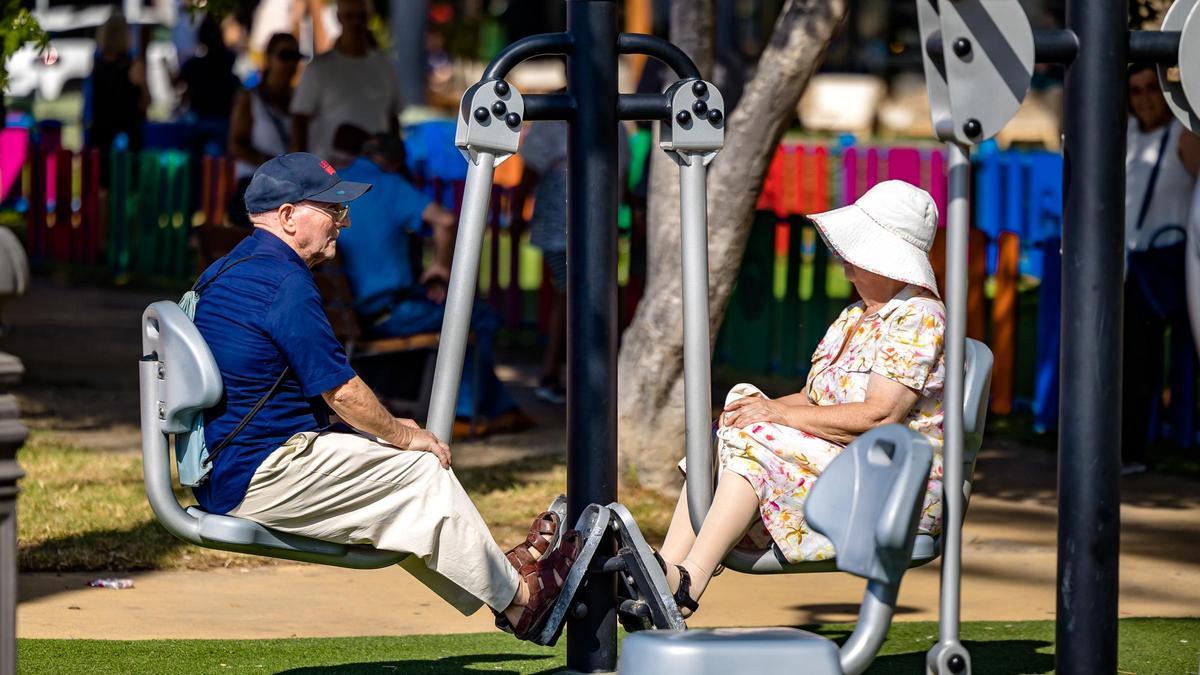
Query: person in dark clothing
x=117, y=95
x=210, y=86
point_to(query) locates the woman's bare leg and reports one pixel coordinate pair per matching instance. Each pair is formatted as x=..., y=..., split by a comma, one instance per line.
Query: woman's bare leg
x=680, y=535
x=734, y=508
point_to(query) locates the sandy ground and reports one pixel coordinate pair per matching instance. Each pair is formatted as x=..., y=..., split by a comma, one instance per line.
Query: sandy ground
x=88, y=396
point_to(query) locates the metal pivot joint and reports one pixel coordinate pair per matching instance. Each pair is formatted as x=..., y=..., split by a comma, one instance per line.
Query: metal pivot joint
x=977, y=86
x=1182, y=91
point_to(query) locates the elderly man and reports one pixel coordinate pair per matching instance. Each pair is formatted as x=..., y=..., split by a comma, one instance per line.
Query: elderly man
x=371, y=479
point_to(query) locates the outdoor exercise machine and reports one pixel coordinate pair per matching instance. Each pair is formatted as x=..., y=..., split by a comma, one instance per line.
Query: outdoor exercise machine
x=974, y=87
x=873, y=491
x=977, y=58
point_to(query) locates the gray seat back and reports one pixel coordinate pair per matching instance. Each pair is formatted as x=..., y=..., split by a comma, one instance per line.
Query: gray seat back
x=188, y=378
x=977, y=384
x=868, y=500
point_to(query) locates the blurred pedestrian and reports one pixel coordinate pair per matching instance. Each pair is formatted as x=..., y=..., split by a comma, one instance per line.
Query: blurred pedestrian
x=260, y=127
x=353, y=83
x=209, y=87
x=544, y=150
x=116, y=93
x=1160, y=165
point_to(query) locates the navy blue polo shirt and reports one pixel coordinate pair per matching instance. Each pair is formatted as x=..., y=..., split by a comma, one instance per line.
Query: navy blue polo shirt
x=261, y=315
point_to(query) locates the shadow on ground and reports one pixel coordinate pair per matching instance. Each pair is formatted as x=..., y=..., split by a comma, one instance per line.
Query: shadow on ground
x=491, y=663
x=1003, y=657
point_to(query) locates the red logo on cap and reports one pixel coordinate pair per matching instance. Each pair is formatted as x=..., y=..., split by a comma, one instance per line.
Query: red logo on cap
x=328, y=168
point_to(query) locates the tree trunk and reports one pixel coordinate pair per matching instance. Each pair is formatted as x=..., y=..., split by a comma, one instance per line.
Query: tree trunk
x=650, y=401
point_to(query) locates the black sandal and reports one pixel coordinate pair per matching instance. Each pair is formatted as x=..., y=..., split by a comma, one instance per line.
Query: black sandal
x=683, y=594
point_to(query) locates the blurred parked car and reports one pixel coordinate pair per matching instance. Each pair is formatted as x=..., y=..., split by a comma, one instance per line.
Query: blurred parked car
x=67, y=61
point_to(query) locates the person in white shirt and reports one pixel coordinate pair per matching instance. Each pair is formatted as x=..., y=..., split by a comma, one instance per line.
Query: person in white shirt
x=353, y=83
x=1161, y=161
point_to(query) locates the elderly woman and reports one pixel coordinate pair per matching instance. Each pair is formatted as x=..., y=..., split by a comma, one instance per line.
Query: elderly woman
x=880, y=362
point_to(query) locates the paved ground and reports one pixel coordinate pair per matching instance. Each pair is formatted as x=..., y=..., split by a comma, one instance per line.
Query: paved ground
x=89, y=396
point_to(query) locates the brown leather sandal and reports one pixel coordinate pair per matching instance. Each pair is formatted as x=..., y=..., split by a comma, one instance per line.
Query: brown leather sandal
x=545, y=579
x=543, y=532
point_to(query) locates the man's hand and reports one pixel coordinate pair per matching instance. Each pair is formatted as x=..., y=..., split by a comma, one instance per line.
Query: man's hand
x=753, y=409
x=424, y=441
x=435, y=278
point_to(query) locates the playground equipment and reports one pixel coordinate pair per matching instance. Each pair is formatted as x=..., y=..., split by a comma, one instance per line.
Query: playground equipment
x=885, y=471
x=974, y=87
x=965, y=44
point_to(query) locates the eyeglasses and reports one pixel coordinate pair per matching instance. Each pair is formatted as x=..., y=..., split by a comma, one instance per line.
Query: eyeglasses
x=339, y=214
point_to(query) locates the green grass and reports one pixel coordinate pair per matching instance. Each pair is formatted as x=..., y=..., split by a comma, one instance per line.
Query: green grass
x=1147, y=646
x=87, y=510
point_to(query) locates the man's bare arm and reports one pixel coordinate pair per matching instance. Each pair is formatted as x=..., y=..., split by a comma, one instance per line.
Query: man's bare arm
x=356, y=405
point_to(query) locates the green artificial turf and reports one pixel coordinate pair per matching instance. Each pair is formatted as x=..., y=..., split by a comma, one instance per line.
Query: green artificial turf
x=1147, y=647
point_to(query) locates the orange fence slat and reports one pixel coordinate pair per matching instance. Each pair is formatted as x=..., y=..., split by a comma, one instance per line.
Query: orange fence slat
x=976, y=276
x=1004, y=323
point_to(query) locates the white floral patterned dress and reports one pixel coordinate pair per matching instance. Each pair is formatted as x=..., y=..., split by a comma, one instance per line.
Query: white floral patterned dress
x=902, y=342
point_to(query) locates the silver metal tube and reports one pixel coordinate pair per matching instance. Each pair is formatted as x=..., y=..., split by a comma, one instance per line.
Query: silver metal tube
x=874, y=620
x=460, y=296
x=957, y=223
x=697, y=386
x=156, y=462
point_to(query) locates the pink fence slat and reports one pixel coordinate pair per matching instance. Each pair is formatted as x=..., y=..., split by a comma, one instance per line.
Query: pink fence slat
x=14, y=146
x=820, y=168
x=937, y=183
x=904, y=164
x=850, y=189
x=872, y=171
x=62, y=233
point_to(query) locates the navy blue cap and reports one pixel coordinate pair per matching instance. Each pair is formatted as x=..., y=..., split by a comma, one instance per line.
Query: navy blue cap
x=295, y=177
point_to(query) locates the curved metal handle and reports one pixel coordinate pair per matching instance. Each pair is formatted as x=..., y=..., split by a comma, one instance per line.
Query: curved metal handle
x=156, y=462
x=460, y=295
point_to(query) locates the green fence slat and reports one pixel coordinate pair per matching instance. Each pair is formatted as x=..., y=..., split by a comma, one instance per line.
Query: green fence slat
x=119, y=195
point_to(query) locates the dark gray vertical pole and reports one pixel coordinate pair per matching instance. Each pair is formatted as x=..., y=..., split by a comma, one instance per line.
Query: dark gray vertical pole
x=12, y=437
x=407, y=27
x=1093, y=257
x=592, y=317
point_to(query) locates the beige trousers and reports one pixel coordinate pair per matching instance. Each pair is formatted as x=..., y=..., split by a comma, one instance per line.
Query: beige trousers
x=349, y=489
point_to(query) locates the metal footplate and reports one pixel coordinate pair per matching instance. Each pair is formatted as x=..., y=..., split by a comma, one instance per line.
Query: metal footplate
x=592, y=525
x=645, y=599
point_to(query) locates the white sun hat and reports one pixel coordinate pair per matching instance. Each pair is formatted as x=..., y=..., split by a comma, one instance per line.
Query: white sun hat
x=888, y=231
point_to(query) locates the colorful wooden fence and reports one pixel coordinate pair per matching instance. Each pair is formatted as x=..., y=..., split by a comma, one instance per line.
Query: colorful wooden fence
x=788, y=290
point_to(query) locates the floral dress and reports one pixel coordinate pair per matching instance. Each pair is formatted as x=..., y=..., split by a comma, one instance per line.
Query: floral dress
x=902, y=342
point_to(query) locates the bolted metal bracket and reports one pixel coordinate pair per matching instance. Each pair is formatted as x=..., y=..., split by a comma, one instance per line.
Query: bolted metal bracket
x=696, y=126
x=1183, y=94
x=948, y=659
x=979, y=81
x=489, y=121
